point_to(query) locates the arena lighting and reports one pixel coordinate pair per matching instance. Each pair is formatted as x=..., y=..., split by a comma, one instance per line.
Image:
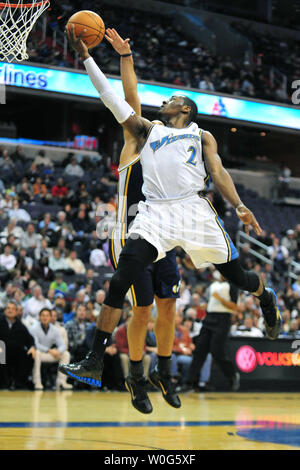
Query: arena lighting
x=263, y=134
x=233, y=129
x=78, y=83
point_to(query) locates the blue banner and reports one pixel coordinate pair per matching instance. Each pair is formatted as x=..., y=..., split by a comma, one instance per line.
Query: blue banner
x=79, y=84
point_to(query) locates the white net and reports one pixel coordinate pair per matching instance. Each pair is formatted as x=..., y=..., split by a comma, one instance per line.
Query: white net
x=16, y=21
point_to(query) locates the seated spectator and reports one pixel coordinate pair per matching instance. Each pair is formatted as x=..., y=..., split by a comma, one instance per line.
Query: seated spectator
x=6, y=203
x=279, y=254
x=57, y=262
x=82, y=224
x=42, y=160
x=121, y=341
x=100, y=296
x=11, y=229
x=75, y=263
x=248, y=329
x=42, y=250
x=35, y=304
x=93, y=280
x=183, y=350
x=97, y=256
x=59, y=286
x=56, y=320
x=20, y=350
x=50, y=347
x=39, y=188
x=151, y=344
x=47, y=223
x=73, y=169
x=30, y=239
x=76, y=330
x=25, y=193
x=18, y=155
x=24, y=262
x=60, y=191
x=18, y=214
x=40, y=270
x=7, y=260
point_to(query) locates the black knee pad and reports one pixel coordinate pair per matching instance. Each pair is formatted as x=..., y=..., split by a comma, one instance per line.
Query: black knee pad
x=134, y=258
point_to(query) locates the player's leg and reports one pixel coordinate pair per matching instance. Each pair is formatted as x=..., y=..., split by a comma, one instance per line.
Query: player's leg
x=251, y=282
x=166, y=281
x=136, y=382
x=207, y=241
x=134, y=258
x=199, y=356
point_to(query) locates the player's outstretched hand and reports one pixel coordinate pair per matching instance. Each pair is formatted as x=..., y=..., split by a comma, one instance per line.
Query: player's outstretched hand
x=120, y=45
x=248, y=219
x=77, y=43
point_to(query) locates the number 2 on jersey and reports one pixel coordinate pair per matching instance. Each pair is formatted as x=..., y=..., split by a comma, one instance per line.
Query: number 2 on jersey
x=192, y=159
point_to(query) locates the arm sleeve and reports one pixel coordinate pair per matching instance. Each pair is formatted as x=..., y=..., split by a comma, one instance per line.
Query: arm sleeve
x=117, y=105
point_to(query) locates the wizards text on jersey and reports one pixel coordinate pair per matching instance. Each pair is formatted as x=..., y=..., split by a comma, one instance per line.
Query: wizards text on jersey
x=169, y=139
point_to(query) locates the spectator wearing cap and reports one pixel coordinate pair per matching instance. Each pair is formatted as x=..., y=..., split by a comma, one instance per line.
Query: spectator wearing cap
x=20, y=350
x=50, y=348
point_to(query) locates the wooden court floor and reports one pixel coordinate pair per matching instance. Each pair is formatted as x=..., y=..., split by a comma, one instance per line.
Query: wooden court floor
x=106, y=420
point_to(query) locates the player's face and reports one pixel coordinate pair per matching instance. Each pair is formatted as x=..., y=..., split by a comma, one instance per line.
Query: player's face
x=171, y=107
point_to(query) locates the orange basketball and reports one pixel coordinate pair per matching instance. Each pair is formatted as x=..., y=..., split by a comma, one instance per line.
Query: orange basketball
x=93, y=24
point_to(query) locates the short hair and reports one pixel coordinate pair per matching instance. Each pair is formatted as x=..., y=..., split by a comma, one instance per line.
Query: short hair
x=194, y=109
x=45, y=310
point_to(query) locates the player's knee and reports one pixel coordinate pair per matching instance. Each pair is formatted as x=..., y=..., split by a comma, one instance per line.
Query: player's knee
x=166, y=310
x=142, y=315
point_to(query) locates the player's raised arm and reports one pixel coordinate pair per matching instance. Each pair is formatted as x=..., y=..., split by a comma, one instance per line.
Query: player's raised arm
x=225, y=184
x=128, y=76
x=123, y=112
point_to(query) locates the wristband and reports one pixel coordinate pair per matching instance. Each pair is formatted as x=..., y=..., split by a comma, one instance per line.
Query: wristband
x=239, y=206
x=126, y=55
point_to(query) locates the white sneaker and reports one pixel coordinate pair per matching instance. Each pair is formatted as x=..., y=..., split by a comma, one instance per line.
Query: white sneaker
x=63, y=386
x=38, y=387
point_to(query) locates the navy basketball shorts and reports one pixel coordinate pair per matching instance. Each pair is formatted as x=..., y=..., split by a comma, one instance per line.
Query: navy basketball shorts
x=161, y=278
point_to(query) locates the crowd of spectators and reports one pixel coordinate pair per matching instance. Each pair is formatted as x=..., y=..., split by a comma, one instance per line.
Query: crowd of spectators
x=55, y=271
x=164, y=53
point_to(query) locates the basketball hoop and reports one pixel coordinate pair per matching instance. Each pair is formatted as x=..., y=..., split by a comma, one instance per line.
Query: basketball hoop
x=16, y=22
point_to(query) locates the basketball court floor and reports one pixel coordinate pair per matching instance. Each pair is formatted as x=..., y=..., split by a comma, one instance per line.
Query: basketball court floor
x=106, y=420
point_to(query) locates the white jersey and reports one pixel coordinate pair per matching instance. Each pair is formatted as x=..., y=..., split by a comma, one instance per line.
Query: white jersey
x=172, y=161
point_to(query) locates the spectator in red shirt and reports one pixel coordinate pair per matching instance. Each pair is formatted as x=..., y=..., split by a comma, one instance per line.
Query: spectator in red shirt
x=60, y=190
x=182, y=349
x=122, y=346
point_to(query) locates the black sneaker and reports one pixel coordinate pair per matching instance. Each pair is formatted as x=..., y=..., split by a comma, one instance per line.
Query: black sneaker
x=88, y=371
x=139, y=396
x=164, y=384
x=272, y=317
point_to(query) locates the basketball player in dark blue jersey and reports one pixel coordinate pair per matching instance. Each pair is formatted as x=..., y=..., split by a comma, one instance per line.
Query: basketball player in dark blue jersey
x=159, y=280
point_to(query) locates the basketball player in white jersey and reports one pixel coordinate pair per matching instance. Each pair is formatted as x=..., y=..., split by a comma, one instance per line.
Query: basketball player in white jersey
x=173, y=159
x=160, y=279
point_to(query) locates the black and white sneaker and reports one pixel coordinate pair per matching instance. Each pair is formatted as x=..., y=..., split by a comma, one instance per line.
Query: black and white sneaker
x=88, y=371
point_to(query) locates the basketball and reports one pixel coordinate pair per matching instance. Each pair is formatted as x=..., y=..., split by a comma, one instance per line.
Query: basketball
x=93, y=24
